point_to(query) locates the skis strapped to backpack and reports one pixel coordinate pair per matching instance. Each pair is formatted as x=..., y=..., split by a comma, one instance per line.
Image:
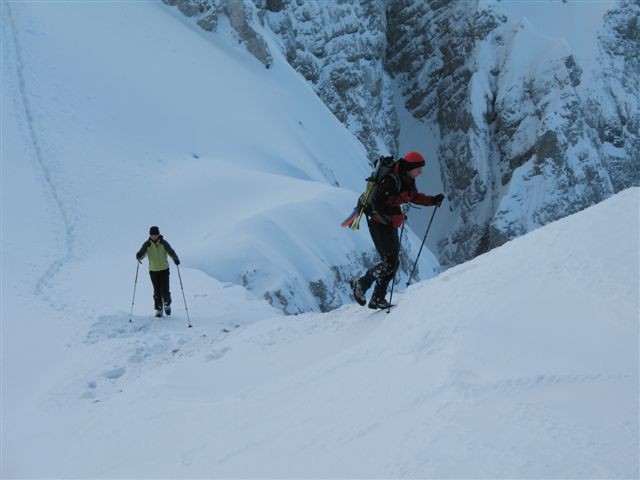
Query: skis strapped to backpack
x=381, y=168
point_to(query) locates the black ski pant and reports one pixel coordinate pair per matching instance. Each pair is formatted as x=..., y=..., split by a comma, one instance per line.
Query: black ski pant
x=385, y=238
x=160, y=281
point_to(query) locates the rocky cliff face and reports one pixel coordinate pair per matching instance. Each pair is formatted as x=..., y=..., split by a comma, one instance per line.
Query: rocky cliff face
x=516, y=150
x=242, y=17
x=435, y=63
x=614, y=109
x=522, y=141
x=339, y=47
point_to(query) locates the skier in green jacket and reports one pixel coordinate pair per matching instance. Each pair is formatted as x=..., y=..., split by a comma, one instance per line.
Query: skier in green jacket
x=156, y=248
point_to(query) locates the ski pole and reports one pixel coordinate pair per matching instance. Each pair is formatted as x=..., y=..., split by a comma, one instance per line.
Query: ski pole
x=135, y=284
x=423, y=240
x=393, y=283
x=183, y=297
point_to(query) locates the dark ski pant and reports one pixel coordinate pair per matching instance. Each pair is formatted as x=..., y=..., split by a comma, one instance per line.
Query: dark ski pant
x=385, y=238
x=160, y=281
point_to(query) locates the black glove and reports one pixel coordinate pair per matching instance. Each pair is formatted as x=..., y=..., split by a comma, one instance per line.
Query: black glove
x=138, y=257
x=438, y=199
x=177, y=261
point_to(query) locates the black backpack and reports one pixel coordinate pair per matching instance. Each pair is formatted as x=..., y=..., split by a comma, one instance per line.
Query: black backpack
x=383, y=166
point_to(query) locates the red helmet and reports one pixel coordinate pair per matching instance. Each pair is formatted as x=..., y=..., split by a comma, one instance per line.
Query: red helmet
x=414, y=157
x=411, y=161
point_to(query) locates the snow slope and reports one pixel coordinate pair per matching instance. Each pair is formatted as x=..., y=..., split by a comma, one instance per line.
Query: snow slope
x=520, y=363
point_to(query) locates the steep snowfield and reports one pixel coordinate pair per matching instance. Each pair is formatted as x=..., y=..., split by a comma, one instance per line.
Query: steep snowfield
x=520, y=363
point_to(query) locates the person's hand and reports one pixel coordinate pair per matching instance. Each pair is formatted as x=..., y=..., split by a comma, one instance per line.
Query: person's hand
x=138, y=257
x=438, y=199
x=177, y=261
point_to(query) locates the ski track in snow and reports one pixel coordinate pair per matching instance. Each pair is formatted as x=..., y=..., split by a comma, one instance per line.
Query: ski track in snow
x=38, y=144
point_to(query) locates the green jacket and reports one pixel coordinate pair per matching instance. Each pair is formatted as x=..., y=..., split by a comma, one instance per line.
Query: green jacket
x=157, y=252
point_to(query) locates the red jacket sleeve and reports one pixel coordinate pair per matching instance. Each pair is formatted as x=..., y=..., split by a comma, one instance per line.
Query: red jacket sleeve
x=422, y=199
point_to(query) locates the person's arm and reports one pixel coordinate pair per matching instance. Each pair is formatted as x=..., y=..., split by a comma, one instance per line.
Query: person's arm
x=171, y=252
x=427, y=200
x=143, y=250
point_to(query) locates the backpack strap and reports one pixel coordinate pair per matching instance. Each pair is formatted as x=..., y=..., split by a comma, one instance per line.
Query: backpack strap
x=396, y=179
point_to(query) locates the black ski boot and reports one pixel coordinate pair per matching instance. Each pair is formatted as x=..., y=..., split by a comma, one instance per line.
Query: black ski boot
x=358, y=294
x=378, y=303
x=167, y=310
x=378, y=300
x=159, y=313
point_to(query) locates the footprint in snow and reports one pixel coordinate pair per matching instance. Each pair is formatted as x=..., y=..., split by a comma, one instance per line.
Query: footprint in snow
x=115, y=327
x=217, y=354
x=90, y=394
x=115, y=373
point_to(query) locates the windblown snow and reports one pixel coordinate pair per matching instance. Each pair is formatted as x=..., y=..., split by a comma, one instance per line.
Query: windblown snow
x=520, y=363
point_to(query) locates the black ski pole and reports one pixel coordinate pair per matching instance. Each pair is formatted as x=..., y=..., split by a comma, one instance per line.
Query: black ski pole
x=183, y=297
x=423, y=240
x=393, y=283
x=135, y=284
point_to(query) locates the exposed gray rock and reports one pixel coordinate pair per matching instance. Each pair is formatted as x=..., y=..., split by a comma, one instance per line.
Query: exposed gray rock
x=339, y=47
x=241, y=15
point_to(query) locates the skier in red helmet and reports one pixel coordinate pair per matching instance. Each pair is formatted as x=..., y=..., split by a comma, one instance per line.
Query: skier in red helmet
x=384, y=218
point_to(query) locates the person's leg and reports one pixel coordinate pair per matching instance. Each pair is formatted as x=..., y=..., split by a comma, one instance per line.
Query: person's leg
x=385, y=239
x=387, y=245
x=166, y=294
x=360, y=286
x=379, y=234
x=156, y=281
